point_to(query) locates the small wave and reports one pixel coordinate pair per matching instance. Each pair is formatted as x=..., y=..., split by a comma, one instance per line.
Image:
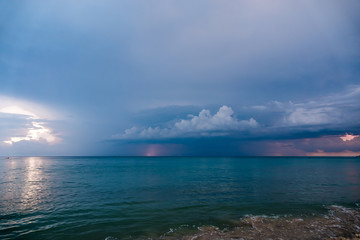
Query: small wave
x=111, y=238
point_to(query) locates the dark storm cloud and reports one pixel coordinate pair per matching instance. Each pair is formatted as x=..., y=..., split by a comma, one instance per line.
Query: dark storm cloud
x=332, y=113
x=298, y=127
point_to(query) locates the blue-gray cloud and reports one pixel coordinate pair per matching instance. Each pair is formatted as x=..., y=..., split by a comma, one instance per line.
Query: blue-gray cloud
x=320, y=121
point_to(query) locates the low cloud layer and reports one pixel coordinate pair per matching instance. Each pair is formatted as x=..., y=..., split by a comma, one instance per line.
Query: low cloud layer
x=335, y=109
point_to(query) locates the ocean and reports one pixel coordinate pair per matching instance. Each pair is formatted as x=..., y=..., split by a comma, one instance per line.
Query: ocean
x=179, y=197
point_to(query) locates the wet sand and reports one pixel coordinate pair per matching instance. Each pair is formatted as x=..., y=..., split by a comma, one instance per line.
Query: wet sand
x=340, y=223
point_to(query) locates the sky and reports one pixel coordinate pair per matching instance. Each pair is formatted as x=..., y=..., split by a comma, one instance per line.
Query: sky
x=180, y=78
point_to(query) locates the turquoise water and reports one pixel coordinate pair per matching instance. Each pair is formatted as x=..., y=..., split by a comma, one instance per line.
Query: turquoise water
x=141, y=197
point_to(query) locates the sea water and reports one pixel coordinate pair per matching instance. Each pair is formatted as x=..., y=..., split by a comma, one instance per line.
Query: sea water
x=175, y=197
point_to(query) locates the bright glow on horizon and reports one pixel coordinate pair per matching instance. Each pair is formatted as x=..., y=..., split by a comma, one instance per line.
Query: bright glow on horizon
x=321, y=153
x=348, y=137
x=36, y=132
x=153, y=150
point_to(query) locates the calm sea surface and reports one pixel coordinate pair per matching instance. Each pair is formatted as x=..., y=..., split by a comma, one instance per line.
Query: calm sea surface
x=134, y=197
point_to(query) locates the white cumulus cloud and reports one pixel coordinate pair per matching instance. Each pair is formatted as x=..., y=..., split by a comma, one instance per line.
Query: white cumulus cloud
x=348, y=137
x=205, y=124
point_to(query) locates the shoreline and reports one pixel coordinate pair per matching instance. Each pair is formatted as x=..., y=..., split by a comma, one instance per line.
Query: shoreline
x=339, y=223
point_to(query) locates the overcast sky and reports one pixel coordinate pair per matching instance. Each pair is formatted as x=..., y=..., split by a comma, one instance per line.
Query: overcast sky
x=165, y=77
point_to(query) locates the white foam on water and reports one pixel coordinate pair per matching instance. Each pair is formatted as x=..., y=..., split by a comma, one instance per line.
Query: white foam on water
x=339, y=223
x=111, y=238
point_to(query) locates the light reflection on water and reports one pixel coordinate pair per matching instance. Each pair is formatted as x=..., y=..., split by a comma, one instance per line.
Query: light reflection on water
x=34, y=184
x=24, y=190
